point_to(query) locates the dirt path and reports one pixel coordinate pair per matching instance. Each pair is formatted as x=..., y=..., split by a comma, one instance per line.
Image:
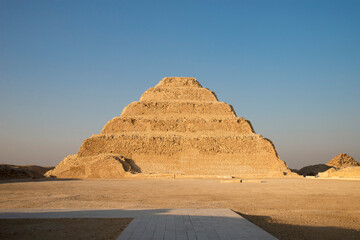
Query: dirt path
x=287, y=208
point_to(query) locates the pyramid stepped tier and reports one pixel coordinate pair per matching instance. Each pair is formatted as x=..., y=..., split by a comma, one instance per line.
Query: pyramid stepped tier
x=179, y=82
x=214, y=109
x=177, y=127
x=171, y=124
x=192, y=155
x=164, y=93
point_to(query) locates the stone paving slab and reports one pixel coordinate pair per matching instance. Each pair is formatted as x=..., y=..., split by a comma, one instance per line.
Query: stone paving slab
x=164, y=224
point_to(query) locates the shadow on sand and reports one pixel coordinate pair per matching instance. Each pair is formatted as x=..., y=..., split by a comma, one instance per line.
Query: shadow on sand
x=156, y=223
x=298, y=232
x=279, y=230
x=20, y=180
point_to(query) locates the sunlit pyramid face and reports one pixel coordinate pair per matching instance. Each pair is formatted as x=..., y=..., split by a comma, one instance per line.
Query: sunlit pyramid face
x=177, y=127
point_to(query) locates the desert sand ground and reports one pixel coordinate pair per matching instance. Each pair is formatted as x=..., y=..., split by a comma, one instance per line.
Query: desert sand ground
x=65, y=228
x=287, y=208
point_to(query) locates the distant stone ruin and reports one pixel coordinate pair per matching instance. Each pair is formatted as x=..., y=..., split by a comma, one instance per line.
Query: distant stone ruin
x=342, y=166
x=342, y=160
x=339, y=162
x=346, y=172
x=177, y=127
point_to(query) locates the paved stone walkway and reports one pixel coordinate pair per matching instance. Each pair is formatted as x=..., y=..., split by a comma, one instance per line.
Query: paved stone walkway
x=193, y=224
x=165, y=224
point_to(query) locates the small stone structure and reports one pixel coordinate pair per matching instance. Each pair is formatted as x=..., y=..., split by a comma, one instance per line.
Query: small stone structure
x=342, y=160
x=333, y=167
x=177, y=127
x=346, y=172
x=342, y=166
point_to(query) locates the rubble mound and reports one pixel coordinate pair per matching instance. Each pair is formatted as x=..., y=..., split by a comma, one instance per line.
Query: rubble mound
x=177, y=127
x=342, y=160
x=99, y=166
x=346, y=172
x=313, y=170
x=18, y=171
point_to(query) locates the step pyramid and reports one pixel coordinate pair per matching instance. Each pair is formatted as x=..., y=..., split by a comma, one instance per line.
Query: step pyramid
x=177, y=127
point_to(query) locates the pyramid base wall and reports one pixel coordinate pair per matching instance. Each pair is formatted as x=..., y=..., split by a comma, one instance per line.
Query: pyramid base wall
x=207, y=155
x=187, y=164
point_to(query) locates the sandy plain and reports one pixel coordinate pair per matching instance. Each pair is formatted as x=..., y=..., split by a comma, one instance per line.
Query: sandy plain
x=62, y=228
x=287, y=208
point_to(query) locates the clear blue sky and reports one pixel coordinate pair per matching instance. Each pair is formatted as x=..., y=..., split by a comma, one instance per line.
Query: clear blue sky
x=290, y=67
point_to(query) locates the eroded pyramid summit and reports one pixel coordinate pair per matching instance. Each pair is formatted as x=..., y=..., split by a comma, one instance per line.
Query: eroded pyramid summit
x=342, y=160
x=177, y=127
